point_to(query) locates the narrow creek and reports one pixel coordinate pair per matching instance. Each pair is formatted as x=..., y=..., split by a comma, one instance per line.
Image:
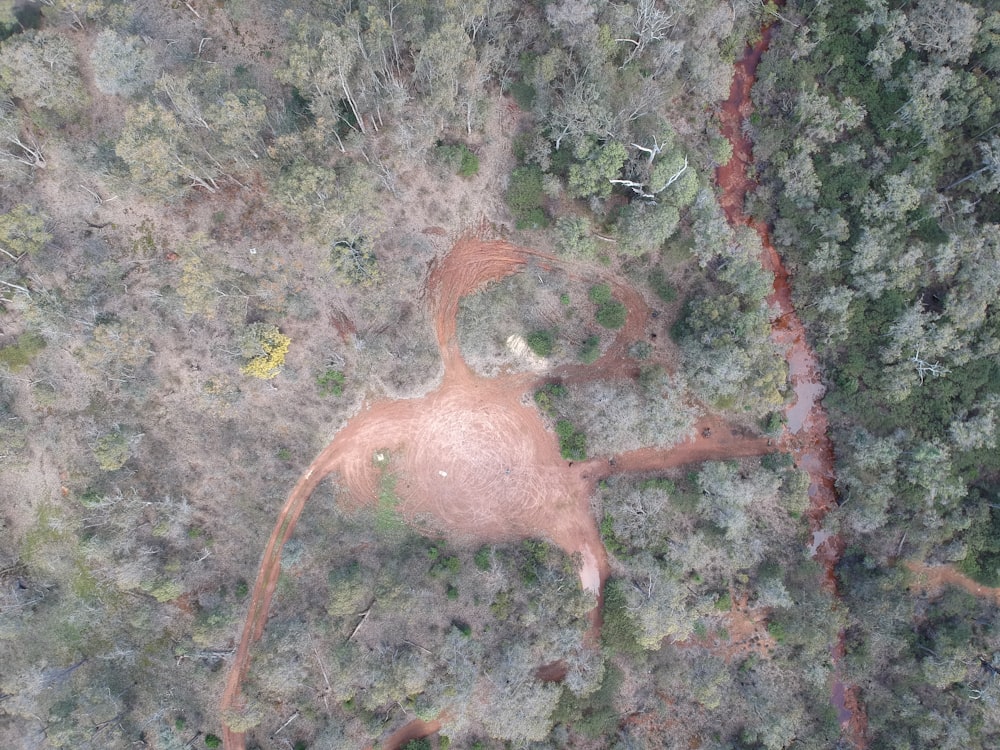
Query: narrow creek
x=807, y=434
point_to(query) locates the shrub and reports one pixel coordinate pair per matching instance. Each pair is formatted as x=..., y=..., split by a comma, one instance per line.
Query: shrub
x=111, y=451
x=18, y=355
x=212, y=740
x=264, y=347
x=611, y=314
x=546, y=397
x=524, y=94
x=572, y=442
x=661, y=286
x=590, y=350
x=421, y=744
x=331, y=383
x=458, y=159
x=525, y=197
x=773, y=423
x=540, y=342
x=482, y=558
x=599, y=294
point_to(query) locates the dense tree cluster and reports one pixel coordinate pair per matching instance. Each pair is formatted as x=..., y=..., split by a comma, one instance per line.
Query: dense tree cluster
x=874, y=138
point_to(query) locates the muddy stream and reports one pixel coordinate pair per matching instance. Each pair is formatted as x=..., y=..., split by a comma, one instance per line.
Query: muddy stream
x=806, y=435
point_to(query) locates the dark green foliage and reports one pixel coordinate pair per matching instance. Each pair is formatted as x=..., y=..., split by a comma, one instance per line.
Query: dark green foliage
x=212, y=740
x=611, y=314
x=982, y=561
x=618, y=630
x=458, y=159
x=599, y=294
x=590, y=350
x=547, y=397
x=421, y=744
x=526, y=198
x=773, y=423
x=482, y=558
x=331, y=383
x=523, y=93
x=592, y=715
x=572, y=442
x=540, y=342
x=18, y=355
x=445, y=565
x=613, y=544
x=661, y=286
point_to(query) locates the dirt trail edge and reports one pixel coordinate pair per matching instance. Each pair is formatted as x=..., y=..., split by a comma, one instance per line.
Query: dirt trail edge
x=469, y=454
x=806, y=436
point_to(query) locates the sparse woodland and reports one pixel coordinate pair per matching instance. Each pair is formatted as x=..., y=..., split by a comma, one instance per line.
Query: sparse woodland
x=217, y=225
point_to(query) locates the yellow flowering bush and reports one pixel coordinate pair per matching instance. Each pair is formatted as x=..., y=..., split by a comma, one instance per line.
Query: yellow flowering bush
x=265, y=348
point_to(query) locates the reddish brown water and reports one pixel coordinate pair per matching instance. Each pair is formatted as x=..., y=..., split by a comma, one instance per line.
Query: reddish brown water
x=806, y=435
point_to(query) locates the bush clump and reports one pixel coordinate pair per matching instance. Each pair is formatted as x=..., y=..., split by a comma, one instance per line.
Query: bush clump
x=458, y=159
x=525, y=197
x=540, y=342
x=572, y=442
x=611, y=314
x=590, y=350
x=331, y=383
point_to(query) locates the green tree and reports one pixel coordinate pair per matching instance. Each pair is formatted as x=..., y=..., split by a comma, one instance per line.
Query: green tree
x=123, y=66
x=39, y=67
x=22, y=232
x=596, y=165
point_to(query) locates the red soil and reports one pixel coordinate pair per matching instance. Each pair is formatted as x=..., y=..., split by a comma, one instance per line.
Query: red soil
x=933, y=578
x=471, y=457
x=806, y=435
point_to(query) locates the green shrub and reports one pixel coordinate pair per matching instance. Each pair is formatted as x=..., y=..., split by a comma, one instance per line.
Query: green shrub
x=331, y=383
x=111, y=451
x=212, y=740
x=457, y=158
x=540, y=342
x=618, y=628
x=572, y=442
x=469, y=165
x=611, y=314
x=18, y=355
x=590, y=350
x=482, y=558
x=725, y=602
x=599, y=294
x=660, y=286
x=547, y=396
x=773, y=423
x=523, y=93
x=525, y=197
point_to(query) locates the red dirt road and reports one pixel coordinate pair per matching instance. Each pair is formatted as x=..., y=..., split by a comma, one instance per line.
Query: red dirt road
x=471, y=457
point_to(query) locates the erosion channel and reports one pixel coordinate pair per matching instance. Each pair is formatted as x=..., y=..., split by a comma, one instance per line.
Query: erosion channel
x=806, y=436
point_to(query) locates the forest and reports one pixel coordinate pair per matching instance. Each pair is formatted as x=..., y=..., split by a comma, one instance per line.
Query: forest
x=221, y=223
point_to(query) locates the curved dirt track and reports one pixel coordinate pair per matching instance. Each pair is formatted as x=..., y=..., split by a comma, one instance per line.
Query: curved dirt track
x=470, y=455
